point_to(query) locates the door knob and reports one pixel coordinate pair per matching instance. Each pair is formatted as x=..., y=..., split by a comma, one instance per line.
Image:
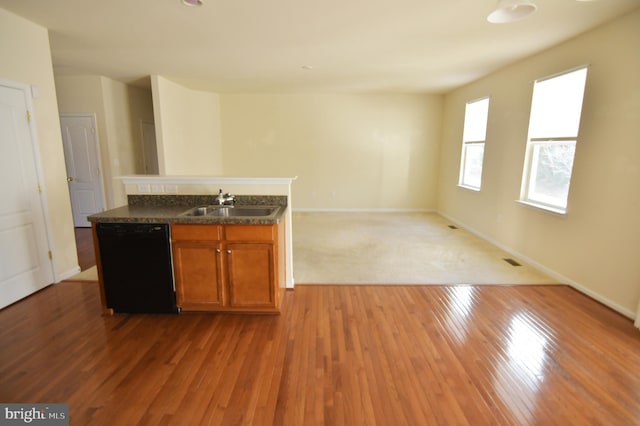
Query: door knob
x=69, y=179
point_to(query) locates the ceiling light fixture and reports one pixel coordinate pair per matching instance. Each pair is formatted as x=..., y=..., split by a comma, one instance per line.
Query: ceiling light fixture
x=192, y=2
x=511, y=11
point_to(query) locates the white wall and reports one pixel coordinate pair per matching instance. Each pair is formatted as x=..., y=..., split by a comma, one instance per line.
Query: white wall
x=187, y=129
x=596, y=245
x=349, y=151
x=124, y=107
x=26, y=58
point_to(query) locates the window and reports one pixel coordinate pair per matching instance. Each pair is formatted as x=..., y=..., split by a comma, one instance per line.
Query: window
x=553, y=131
x=473, y=140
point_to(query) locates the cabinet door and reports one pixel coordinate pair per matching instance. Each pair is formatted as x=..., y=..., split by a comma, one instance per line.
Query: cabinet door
x=251, y=274
x=198, y=275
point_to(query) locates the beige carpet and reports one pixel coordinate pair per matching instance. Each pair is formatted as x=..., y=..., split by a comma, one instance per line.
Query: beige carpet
x=397, y=248
x=90, y=274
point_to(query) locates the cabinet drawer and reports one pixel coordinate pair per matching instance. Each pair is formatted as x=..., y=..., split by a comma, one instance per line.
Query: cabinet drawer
x=250, y=232
x=196, y=232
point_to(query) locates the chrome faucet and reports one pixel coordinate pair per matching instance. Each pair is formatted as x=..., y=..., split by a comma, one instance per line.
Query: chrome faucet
x=225, y=199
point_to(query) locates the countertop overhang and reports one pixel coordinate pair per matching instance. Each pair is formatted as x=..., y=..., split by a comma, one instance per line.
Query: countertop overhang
x=170, y=209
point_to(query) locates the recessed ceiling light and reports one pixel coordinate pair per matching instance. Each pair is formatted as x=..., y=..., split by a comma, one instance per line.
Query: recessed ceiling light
x=307, y=67
x=192, y=2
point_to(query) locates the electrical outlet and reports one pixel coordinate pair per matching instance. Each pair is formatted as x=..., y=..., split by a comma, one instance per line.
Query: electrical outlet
x=144, y=189
x=156, y=189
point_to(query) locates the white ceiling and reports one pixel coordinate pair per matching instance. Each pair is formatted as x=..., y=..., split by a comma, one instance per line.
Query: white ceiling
x=262, y=46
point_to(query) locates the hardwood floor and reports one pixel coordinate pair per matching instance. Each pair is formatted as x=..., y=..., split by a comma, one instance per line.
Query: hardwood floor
x=338, y=355
x=84, y=246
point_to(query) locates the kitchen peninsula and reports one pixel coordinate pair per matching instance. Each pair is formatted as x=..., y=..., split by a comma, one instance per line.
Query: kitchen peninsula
x=204, y=256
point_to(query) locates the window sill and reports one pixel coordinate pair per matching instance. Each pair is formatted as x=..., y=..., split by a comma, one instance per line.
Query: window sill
x=543, y=207
x=469, y=188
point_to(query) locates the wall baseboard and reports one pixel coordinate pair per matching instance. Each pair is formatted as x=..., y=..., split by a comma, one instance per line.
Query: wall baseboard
x=377, y=210
x=542, y=268
x=66, y=275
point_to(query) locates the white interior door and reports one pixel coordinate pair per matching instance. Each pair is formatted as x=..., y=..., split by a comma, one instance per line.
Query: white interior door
x=83, y=166
x=25, y=266
x=149, y=148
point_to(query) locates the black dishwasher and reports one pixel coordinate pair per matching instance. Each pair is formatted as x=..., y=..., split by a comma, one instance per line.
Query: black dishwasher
x=136, y=267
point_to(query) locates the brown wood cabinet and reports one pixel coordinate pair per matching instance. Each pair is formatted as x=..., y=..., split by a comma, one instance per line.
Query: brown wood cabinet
x=226, y=267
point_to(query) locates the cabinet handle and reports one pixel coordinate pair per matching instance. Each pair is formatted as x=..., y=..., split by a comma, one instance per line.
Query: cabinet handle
x=228, y=251
x=217, y=250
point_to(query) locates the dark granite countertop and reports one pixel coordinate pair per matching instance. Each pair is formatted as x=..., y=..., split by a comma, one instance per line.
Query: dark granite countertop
x=169, y=209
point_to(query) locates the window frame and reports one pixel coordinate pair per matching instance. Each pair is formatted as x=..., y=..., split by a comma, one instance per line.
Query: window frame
x=530, y=165
x=467, y=143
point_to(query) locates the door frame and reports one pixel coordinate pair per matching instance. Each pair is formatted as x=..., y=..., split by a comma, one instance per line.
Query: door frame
x=94, y=120
x=28, y=92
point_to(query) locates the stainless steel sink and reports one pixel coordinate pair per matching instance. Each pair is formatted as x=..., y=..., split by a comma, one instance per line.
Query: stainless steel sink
x=231, y=211
x=198, y=211
x=244, y=211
